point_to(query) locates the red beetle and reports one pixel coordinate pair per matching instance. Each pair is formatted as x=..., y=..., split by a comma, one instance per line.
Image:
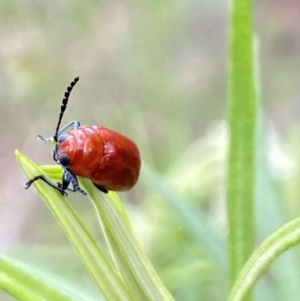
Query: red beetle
x=108, y=158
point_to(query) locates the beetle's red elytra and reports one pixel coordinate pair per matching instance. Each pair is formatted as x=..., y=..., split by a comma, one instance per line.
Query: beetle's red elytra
x=106, y=157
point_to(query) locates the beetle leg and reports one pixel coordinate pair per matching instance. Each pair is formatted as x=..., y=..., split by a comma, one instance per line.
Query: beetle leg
x=101, y=188
x=40, y=137
x=74, y=124
x=68, y=178
x=46, y=180
x=54, y=154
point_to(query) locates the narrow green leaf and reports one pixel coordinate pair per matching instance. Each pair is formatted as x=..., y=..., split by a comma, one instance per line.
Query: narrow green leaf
x=282, y=240
x=131, y=261
x=269, y=214
x=195, y=220
x=96, y=262
x=62, y=284
x=242, y=123
x=18, y=282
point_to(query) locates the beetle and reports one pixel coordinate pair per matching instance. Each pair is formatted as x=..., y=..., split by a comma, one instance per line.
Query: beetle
x=106, y=157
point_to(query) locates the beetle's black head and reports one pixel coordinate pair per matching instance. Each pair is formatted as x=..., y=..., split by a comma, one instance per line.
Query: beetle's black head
x=62, y=159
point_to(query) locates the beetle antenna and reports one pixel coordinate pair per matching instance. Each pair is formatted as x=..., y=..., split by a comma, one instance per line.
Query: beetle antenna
x=64, y=105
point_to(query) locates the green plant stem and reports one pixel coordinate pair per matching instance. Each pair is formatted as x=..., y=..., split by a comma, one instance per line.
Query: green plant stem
x=242, y=124
x=282, y=240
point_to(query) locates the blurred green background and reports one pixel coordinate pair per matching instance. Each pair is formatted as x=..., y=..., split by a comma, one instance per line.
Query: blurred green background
x=156, y=71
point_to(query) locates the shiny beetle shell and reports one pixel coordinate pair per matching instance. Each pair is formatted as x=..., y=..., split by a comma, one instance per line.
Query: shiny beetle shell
x=108, y=158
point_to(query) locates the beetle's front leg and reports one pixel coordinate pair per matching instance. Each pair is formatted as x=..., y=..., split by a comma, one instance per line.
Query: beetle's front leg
x=68, y=178
x=73, y=124
x=47, y=181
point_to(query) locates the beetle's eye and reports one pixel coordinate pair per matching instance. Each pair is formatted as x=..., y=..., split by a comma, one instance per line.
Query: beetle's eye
x=64, y=160
x=62, y=138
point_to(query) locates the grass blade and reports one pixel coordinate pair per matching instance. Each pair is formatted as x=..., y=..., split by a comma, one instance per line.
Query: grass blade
x=242, y=122
x=96, y=262
x=282, y=240
x=21, y=284
x=195, y=220
x=131, y=261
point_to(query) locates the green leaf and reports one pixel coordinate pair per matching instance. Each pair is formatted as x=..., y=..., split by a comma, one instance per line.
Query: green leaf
x=128, y=256
x=96, y=262
x=242, y=122
x=282, y=240
x=130, y=261
x=270, y=217
x=195, y=220
x=21, y=284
